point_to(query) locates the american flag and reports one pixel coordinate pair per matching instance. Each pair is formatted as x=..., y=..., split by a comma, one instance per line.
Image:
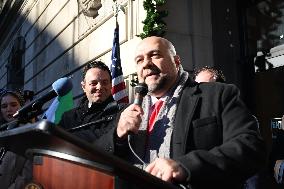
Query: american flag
x=119, y=92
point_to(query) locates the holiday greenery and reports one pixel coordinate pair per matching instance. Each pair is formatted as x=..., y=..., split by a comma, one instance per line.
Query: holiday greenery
x=153, y=23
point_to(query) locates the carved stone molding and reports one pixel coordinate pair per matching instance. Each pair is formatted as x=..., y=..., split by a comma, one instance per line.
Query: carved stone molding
x=88, y=24
x=90, y=7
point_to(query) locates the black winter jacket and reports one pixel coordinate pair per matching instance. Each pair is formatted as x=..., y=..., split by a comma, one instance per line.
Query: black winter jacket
x=91, y=123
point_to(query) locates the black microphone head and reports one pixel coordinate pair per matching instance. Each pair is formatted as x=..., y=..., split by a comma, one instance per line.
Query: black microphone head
x=62, y=86
x=141, y=88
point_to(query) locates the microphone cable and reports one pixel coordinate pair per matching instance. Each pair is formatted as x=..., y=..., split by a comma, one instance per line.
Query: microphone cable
x=133, y=152
x=145, y=164
x=141, y=89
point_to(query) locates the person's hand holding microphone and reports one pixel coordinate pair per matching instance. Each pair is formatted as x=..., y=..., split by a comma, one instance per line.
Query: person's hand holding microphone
x=130, y=118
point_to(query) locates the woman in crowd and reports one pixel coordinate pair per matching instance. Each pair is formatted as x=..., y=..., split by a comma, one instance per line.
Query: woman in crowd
x=15, y=170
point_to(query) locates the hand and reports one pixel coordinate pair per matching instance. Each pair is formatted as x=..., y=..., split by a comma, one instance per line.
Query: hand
x=129, y=120
x=167, y=170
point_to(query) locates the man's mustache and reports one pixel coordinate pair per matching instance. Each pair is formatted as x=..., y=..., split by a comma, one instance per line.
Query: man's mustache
x=152, y=71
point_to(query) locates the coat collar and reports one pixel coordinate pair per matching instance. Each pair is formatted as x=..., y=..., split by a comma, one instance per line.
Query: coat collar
x=185, y=112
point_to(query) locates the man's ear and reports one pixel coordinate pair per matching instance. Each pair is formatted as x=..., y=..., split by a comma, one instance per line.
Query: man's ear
x=177, y=61
x=83, y=85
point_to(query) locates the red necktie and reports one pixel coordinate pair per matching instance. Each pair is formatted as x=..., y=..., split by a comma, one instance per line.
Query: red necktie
x=157, y=106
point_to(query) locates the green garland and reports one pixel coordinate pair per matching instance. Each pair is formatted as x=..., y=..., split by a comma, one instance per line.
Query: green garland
x=153, y=23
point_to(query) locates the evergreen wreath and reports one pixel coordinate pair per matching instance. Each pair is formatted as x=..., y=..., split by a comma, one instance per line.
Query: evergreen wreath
x=153, y=23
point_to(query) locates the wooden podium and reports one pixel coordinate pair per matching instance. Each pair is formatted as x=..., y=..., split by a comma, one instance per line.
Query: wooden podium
x=63, y=161
x=62, y=174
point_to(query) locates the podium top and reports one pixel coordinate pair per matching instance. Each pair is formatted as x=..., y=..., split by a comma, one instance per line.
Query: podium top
x=44, y=138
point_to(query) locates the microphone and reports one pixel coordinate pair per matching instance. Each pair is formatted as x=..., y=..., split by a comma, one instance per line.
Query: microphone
x=59, y=88
x=109, y=112
x=92, y=123
x=141, y=90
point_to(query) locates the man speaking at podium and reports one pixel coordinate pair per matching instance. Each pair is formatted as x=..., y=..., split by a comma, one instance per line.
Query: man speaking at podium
x=87, y=120
x=201, y=135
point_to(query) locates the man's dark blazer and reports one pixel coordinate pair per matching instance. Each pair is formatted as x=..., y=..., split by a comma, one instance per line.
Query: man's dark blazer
x=214, y=137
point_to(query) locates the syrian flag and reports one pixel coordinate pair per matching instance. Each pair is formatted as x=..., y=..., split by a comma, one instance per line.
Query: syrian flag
x=119, y=92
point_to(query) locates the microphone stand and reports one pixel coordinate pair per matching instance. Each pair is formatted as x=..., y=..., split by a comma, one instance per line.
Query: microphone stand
x=104, y=119
x=111, y=108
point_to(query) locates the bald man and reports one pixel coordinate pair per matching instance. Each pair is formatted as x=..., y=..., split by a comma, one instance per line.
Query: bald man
x=203, y=135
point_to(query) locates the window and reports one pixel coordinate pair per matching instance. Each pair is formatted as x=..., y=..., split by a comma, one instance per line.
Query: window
x=15, y=73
